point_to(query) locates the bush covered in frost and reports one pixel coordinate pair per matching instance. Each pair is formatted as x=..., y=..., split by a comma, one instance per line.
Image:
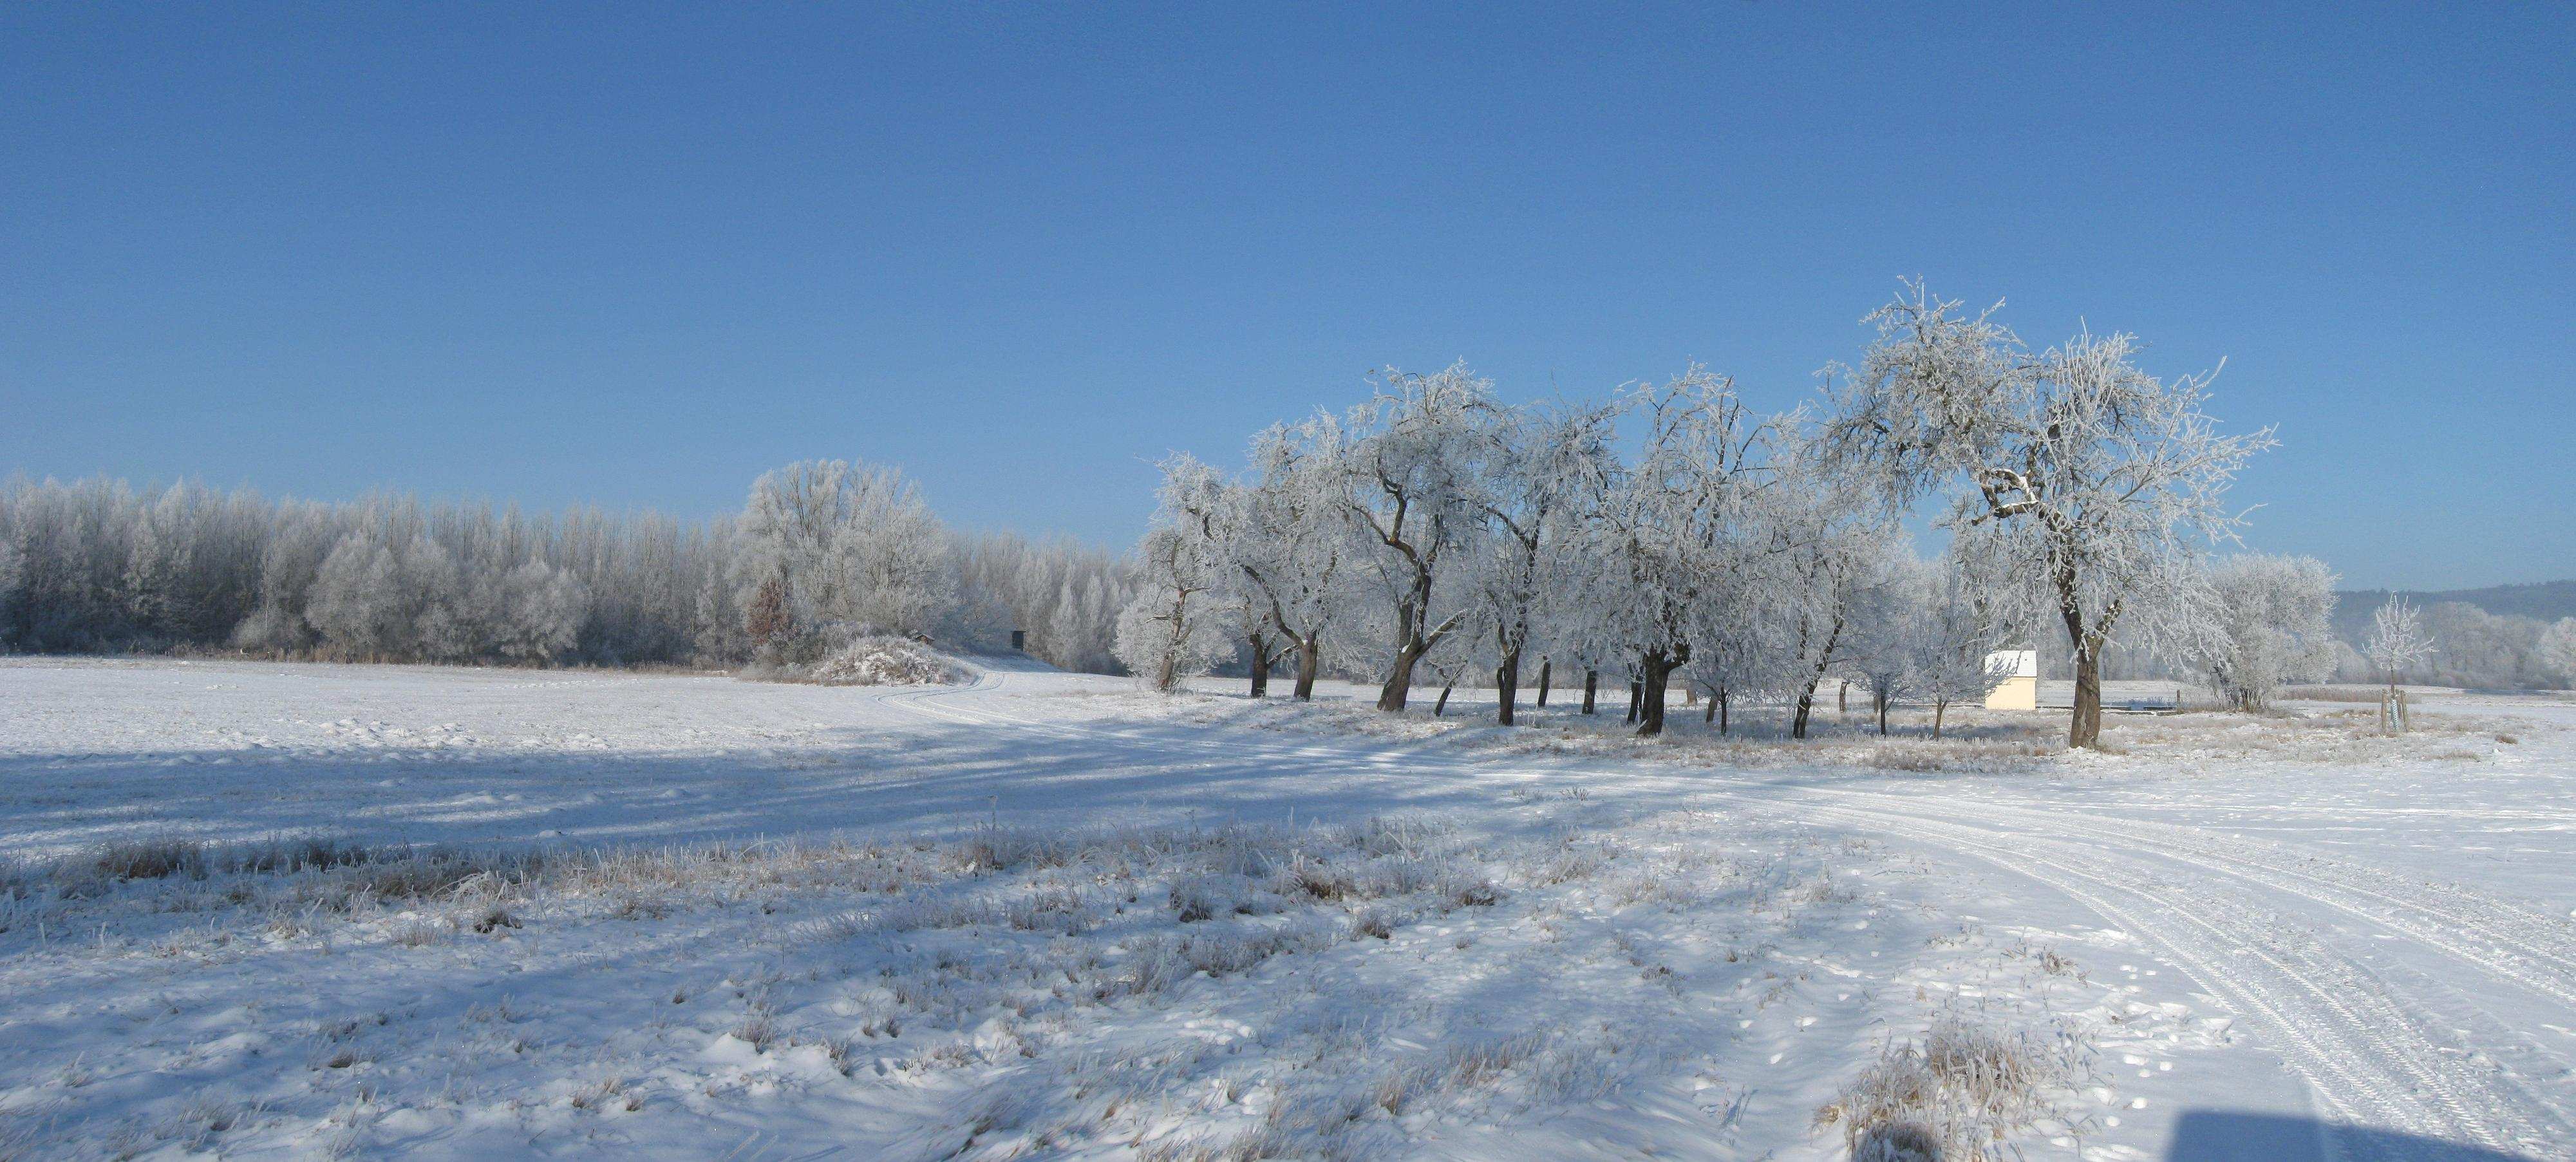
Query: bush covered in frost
x=881, y=661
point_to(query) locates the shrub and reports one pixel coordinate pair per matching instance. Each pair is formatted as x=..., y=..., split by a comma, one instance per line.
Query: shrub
x=884, y=661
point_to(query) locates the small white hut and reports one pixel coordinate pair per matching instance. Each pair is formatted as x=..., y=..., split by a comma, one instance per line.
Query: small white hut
x=2019, y=689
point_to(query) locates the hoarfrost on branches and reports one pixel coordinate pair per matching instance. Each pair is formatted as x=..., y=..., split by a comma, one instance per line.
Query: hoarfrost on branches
x=1174, y=629
x=2099, y=485
x=2274, y=626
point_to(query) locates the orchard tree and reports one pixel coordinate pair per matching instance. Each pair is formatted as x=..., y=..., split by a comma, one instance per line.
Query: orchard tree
x=1674, y=526
x=2099, y=485
x=2274, y=626
x=1733, y=649
x=1890, y=619
x=1413, y=488
x=1296, y=548
x=1832, y=554
x=1174, y=628
x=1955, y=637
x=1545, y=477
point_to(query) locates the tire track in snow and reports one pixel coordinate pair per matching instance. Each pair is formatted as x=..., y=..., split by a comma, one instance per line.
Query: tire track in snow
x=2522, y=947
x=2369, y=1057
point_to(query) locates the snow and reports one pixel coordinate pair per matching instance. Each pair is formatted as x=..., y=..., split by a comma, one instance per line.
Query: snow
x=1047, y=915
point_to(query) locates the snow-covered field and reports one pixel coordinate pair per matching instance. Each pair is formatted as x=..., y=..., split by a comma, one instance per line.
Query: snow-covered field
x=263, y=910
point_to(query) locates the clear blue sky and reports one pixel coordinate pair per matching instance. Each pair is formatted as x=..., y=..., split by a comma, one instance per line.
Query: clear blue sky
x=633, y=256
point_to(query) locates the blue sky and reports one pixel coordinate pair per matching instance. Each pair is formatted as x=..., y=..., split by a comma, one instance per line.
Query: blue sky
x=634, y=256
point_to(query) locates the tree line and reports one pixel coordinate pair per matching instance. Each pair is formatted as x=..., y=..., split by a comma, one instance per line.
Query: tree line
x=823, y=551
x=1672, y=534
x=2475, y=648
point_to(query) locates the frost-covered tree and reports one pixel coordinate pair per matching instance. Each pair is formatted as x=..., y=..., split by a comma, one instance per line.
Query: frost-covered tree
x=2274, y=626
x=1673, y=526
x=106, y=566
x=1957, y=630
x=542, y=613
x=357, y=602
x=1833, y=553
x=2481, y=648
x=1890, y=617
x=2399, y=642
x=2557, y=648
x=830, y=549
x=1414, y=468
x=1295, y=549
x=13, y=577
x=2099, y=484
x=1546, y=476
x=1734, y=651
x=1174, y=628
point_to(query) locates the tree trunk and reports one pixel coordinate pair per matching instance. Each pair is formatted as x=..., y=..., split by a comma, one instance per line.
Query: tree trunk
x=1507, y=687
x=1544, y=666
x=1167, y=667
x=1722, y=707
x=1709, y=715
x=1260, y=666
x=1633, y=698
x=1806, y=705
x=1940, y=706
x=1880, y=697
x=1399, y=680
x=1442, y=706
x=2085, y=730
x=1591, y=686
x=1651, y=688
x=1842, y=697
x=1410, y=616
x=1308, y=649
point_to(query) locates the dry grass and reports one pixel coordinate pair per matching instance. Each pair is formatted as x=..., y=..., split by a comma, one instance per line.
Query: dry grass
x=1958, y=1092
x=2363, y=694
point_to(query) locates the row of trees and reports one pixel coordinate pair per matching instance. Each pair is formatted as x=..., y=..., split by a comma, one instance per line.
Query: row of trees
x=1671, y=532
x=1437, y=529
x=823, y=550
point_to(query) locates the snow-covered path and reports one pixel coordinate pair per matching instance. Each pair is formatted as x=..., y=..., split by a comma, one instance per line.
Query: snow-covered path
x=2347, y=951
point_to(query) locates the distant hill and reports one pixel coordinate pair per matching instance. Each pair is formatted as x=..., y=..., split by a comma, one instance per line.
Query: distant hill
x=2546, y=601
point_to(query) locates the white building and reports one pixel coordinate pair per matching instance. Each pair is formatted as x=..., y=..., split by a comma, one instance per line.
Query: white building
x=2020, y=688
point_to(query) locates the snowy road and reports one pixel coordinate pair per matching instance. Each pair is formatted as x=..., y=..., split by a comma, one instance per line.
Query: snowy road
x=2330, y=947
